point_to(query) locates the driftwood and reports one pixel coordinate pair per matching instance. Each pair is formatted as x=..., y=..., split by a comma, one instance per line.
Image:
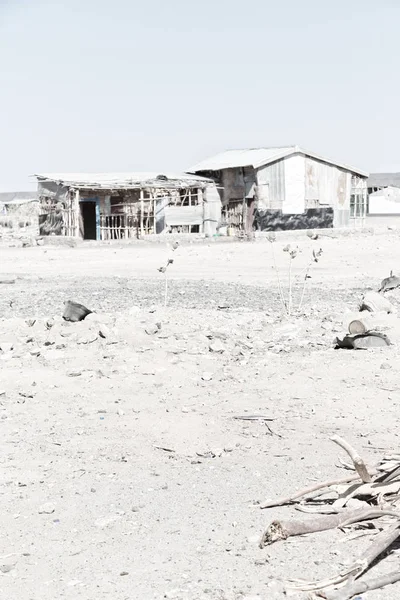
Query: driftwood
x=308, y=490
x=358, y=462
x=359, y=587
x=281, y=530
x=381, y=543
x=379, y=487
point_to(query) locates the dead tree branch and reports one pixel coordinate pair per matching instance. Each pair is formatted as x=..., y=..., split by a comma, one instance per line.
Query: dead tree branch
x=358, y=462
x=381, y=543
x=308, y=490
x=281, y=530
x=359, y=587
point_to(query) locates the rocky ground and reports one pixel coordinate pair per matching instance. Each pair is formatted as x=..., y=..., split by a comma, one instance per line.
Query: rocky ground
x=125, y=470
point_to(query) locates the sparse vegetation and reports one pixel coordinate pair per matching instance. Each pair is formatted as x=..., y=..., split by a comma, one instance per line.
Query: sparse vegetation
x=293, y=252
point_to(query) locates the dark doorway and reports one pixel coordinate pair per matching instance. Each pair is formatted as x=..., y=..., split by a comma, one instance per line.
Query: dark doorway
x=88, y=212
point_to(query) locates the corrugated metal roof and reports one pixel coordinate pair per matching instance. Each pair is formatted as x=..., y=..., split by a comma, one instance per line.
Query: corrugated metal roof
x=258, y=157
x=383, y=180
x=113, y=181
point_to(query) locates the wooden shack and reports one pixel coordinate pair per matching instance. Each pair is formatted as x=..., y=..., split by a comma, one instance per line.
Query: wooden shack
x=113, y=206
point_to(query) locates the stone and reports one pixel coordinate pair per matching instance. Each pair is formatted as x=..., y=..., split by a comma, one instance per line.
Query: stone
x=6, y=568
x=216, y=346
x=207, y=376
x=6, y=346
x=104, y=332
x=74, y=373
x=47, y=509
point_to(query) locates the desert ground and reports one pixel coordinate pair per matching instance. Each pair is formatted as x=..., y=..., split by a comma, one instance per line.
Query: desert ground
x=125, y=474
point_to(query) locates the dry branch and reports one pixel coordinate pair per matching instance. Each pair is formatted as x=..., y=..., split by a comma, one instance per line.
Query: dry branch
x=308, y=490
x=359, y=587
x=281, y=530
x=358, y=462
x=381, y=543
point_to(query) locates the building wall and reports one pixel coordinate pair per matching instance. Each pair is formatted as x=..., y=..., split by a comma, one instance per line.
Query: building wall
x=385, y=202
x=237, y=184
x=271, y=185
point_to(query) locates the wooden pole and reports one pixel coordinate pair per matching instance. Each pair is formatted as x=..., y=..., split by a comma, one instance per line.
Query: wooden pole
x=76, y=211
x=141, y=211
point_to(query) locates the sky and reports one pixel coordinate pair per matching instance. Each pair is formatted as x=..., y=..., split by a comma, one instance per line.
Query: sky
x=158, y=85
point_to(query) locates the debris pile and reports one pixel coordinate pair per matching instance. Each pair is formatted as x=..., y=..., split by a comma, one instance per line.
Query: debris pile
x=370, y=495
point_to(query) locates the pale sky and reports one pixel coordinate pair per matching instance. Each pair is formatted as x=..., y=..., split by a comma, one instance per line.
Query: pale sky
x=157, y=85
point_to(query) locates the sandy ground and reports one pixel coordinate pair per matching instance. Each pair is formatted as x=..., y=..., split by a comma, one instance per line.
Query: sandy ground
x=124, y=472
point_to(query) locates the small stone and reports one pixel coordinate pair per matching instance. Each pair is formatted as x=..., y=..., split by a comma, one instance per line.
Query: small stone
x=124, y=573
x=217, y=347
x=6, y=568
x=216, y=452
x=74, y=373
x=207, y=376
x=2, y=392
x=47, y=509
x=152, y=330
x=6, y=346
x=104, y=332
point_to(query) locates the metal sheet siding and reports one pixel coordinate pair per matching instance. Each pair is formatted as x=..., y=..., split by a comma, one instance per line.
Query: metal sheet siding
x=184, y=215
x=327, y=184
x=271, y=185
x=294, y=203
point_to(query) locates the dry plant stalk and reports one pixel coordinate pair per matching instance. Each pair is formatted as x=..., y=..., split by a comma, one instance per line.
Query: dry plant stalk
x=165, y=271
x=293, y=253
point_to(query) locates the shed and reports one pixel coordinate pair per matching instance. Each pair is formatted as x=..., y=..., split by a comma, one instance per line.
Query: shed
x=285, y=188
x=109, y=206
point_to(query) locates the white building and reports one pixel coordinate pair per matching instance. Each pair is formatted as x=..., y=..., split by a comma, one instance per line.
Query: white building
x=286, y=188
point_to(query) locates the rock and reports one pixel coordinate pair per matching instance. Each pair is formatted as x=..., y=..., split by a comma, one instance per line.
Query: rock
x=207, y=376
x=153, y=329
x=2, y=392
x=6, y=568
x=104, y=332
x=7, y=280
x=6, y=346
x=217, y=347
x=374, y=302
x=47, y=509
x=216, y=452
x=74, y=373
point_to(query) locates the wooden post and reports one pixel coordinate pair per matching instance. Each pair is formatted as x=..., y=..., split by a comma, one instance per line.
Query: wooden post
x=141, y=211
x=76, y=211
x=200, y=202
